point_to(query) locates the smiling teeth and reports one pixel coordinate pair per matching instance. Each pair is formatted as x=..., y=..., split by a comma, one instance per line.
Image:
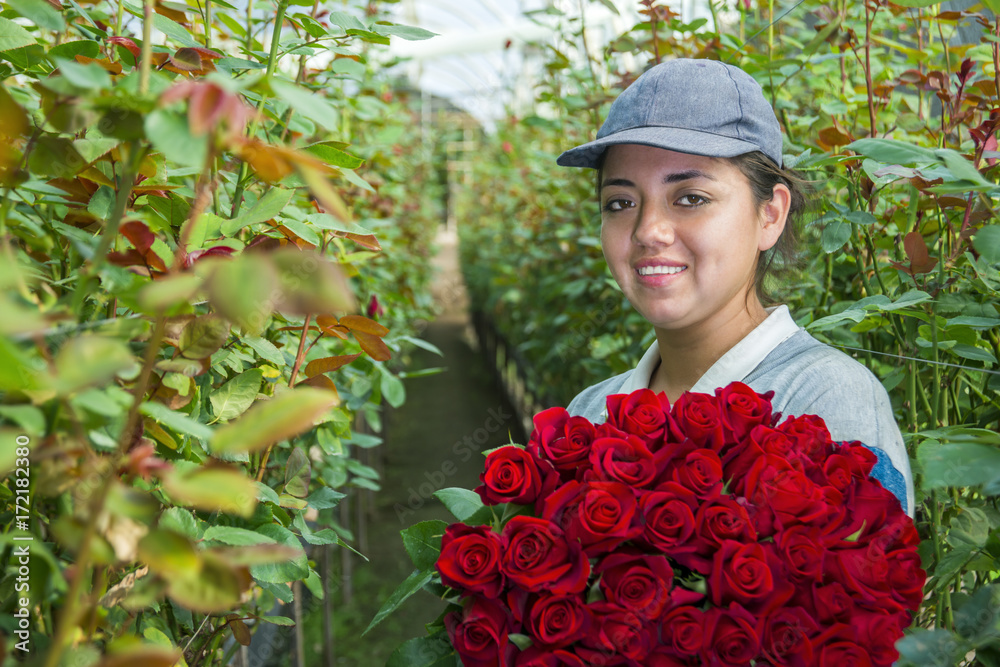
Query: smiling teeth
x=660, y=270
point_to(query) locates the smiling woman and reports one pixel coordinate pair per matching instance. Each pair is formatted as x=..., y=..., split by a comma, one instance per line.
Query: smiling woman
x=694, y=201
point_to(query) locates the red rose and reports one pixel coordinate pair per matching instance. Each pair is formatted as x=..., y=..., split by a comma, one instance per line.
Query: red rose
x=843, y=654
x=749, y=574
x=743, y=408
x=515, y=475
x=669, y=516
x=562, y=440
x=810, y=434
x=683, y=632
x=662, y=658
x=470, y=560
x=697, y=418
x=870, y=506
x=785, y=637
x=906, y=577
x=638, y=582
x=626, y=460
x=642, y=413
x=700, y=471
x=776, y=487
x=620, y=636
x=879, y=632
x=836, y=472
x=833, y=604
x=537, y=657
x=601, y=515
x=717, y=521
x=733, y=641
x=803, y=552
x=556, y=621
x=862, y=459
x=480, y=634
x=537, y=556
x=864, y=572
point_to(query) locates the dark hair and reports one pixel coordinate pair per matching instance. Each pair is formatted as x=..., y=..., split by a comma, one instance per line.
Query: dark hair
x=763, y=174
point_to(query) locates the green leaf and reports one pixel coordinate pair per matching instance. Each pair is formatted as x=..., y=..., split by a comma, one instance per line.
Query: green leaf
x=28, y=417
x=242, y=290
x=178, y=421
x=265, y=349
x=278, y=573
x=39, y=12
x=203, y=336
x=961, y=168
x=835, y=234
x=863, y=218
x=970, y=528
x=234, y=397
x=909, y=299
x=171, y=136
x=102, y=203
x=13, y=36
x=180, y=521
x=333, y=156
x=309, y=104
x=423, y=542
x=168, y=553
x=298, y=473
x=972, y=352
x=345, y=21
x=462, y=503
x=987, y=243
x=271, y=421
x=406, y=32
x=393, y=390
x=276, y=620
x=325, y=498
x=90, y=360
x=978, y=619
x=417, y=580
x=932, y=648
x=88, y=77
x=175, y=31
x=267, y=494
x=215, y=587
x=891, y=151
x=266, y=208
x=237, y=537
x=957, y=464
x=216, y=488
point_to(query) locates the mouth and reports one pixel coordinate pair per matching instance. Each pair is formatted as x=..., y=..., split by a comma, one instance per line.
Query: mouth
x=660, y=270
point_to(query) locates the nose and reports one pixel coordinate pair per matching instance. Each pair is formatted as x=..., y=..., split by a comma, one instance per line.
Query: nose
x=654, y=226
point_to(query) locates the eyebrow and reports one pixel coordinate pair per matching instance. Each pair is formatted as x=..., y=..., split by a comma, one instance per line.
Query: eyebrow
x=675, y=177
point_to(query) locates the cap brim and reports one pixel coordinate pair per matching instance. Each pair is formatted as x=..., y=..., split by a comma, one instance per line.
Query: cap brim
x=669, y=138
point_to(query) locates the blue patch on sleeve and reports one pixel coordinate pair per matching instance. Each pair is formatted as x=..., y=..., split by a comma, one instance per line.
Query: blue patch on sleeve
x=888, y=475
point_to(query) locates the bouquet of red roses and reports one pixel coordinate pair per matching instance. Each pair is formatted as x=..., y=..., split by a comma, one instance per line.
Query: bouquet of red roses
x=705, y=533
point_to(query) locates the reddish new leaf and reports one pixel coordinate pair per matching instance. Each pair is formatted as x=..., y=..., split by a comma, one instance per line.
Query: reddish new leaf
x=373, y=346
x=138, y=235
x=358, y=323
x=328, y=364
x=916, y=251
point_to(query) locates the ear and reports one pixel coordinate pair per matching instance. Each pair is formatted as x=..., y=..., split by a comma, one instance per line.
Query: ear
x=773, y=215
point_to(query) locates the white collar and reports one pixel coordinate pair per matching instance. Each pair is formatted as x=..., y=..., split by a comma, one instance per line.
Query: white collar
x=735, y=364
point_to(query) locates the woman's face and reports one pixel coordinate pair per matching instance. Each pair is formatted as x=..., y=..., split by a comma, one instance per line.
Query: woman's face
x=681, y=234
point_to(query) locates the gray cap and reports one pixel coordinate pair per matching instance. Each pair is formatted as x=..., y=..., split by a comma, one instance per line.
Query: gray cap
x=703, y=107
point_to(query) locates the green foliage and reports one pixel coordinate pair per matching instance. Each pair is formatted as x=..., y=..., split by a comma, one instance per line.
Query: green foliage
x=198, y=231
x=892, y=120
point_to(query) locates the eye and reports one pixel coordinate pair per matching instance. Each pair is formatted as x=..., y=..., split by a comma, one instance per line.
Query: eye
x=618, y=204
x=690, y=201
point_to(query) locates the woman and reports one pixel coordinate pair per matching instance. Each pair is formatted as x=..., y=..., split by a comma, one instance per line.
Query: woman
x=694, y=205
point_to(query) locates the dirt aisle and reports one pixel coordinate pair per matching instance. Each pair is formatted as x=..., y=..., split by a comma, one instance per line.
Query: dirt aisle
x=433, y=441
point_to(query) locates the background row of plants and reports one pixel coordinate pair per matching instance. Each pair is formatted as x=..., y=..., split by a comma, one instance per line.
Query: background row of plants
x=212, y=263
x=890, y=110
